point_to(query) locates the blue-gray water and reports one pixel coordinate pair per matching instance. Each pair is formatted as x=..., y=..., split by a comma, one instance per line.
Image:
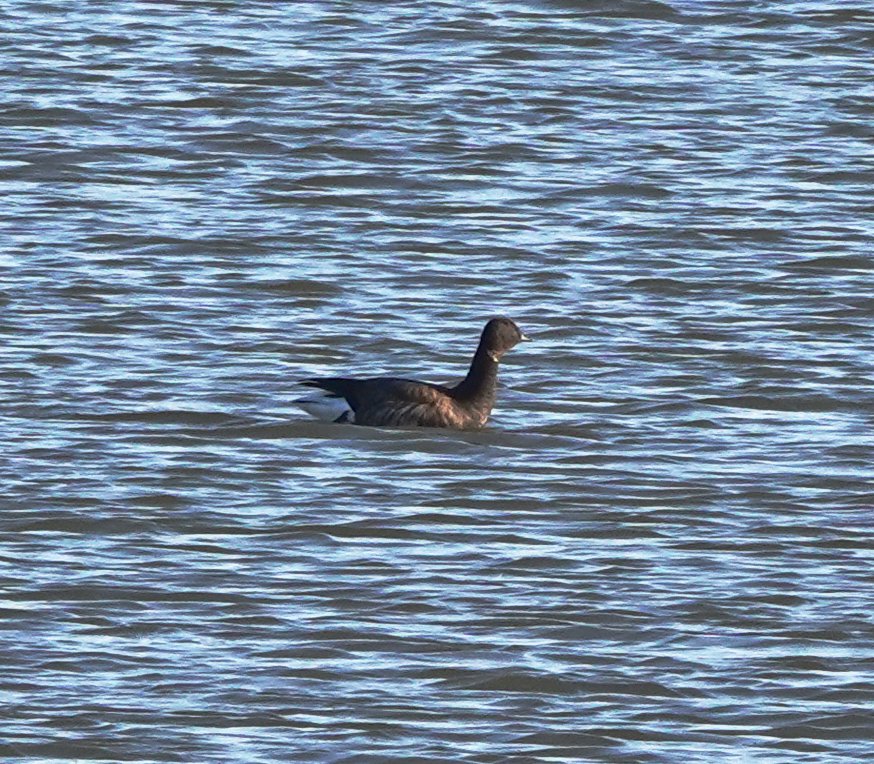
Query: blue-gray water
x=660, y=550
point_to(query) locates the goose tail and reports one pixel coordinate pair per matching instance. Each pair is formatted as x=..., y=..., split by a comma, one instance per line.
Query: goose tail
x=326, y=403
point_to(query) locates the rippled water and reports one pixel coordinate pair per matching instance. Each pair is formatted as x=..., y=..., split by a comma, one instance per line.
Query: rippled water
x=660, y=550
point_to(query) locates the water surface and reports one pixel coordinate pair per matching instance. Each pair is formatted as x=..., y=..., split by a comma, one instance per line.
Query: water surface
x=660, y=549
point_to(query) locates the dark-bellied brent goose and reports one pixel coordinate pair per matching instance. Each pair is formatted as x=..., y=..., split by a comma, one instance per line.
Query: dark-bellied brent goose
x=395, y=402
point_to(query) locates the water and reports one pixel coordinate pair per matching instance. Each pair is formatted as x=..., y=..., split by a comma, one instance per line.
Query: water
x=660, y=549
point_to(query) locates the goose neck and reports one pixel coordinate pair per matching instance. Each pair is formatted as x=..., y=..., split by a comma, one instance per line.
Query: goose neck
x=481, y=379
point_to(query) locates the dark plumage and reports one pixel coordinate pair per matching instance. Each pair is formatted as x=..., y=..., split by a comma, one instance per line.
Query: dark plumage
x=394, y=402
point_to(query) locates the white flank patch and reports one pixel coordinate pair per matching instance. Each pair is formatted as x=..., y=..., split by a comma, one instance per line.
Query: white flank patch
x=326, y=407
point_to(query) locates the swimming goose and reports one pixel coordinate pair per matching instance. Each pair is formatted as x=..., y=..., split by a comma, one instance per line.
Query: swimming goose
x=394, y=402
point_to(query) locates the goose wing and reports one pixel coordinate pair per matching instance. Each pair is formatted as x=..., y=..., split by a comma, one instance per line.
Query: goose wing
x=391, y=401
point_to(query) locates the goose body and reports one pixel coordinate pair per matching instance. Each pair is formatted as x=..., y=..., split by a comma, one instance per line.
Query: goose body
x=396, y=402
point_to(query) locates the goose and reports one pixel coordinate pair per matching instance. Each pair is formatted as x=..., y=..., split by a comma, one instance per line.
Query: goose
x=396, y=402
